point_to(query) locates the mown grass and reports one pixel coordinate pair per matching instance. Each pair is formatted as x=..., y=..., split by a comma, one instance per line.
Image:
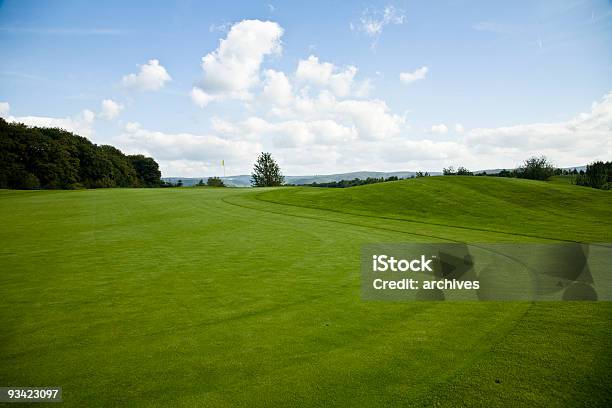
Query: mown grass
x=220, y=297
x=514, y=206
x=568, y=179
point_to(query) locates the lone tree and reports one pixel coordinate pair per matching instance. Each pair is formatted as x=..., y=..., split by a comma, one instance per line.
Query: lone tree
x=461, y=171
x=215, y=182
x=266, y=172
x=536, y=168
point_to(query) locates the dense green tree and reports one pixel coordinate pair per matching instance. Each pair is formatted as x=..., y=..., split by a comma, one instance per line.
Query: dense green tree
x=266, y=173
x=598, y=175
x=506, y=173
x=448, y=171
x=461, y=171
x=121, y=171
x=147, y=170
x=536, y=168
x=215, y=182
x=51, y=158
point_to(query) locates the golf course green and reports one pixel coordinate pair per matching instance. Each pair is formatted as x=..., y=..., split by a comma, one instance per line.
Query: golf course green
x=251, y=297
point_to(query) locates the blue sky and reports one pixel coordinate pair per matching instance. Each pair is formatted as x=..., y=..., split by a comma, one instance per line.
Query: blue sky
x=325, y=86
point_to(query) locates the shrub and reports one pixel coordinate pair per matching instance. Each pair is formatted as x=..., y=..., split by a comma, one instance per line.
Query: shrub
x=215, y=182
x=536, y=168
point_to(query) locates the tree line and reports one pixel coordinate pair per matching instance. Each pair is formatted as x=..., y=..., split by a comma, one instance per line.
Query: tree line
x=211, y=182
x=52, y=158
x=354, y=182
x=597, y=175
x=534, y=168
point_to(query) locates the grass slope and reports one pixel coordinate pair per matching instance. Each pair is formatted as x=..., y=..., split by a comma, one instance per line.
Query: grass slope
x=514, y=206
x=214, y=297
x=569, y=179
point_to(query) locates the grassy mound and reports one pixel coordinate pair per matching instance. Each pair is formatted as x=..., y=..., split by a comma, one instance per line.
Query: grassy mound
x=524, y=207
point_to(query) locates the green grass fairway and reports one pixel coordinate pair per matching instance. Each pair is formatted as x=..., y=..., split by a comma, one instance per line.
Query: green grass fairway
x=569, y=179
x=251, y=297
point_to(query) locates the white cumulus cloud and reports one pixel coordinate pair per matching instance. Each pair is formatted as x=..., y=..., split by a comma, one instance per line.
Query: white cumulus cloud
x=4, y=108
x=277, y=88
x=81, y=124
x=325, y=74
x=234, y=67
x=371, y=119
x=427, y=153
x=110, y=109
x=200, y=98
x=185, y=150
x=152, y=76
x=439, y=129
x=582, y=139
x=416, y=75
x=323, y=134
x=289, y=133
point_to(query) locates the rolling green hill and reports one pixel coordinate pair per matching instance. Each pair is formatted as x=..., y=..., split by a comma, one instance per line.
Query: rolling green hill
x=515, y=206
x=568, y=179
x=251, y=297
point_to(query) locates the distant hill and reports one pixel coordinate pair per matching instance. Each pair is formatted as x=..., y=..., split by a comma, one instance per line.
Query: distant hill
x=327, y=178
x=495, y=171
x=232, y=181
x=245, y=180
